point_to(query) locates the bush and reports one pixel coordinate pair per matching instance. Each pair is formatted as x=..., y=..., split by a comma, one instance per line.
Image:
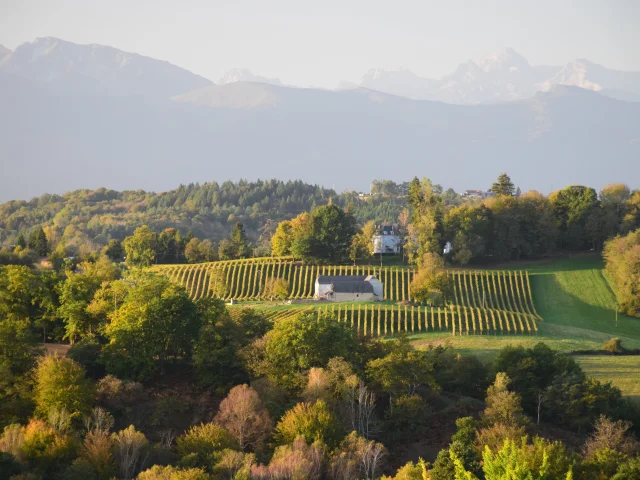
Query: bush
x=614, y=346
x=311, y=422
x=44, y=449
x=119, y=394
x=12, y=440
x=235, y=465
x=172, y=473
x=124, y=398
x=202, y=441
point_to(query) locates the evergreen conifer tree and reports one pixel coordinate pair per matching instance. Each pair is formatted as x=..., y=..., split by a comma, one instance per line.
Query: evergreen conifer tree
x=38, y=242
x=503, y=186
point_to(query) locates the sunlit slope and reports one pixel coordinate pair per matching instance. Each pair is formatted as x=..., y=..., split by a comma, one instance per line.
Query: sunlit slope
x=623, y=372
x=580, y=297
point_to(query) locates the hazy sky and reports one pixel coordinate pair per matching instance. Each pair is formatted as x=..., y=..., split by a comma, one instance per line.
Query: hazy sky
x=323, y=42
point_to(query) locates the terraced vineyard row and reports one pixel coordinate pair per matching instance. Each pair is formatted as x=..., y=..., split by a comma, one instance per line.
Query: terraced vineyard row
x=388, y=320
x=246, y=280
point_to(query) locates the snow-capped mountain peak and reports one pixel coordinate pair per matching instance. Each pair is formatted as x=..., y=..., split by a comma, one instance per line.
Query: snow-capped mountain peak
x=505, y=58
x=503, y=75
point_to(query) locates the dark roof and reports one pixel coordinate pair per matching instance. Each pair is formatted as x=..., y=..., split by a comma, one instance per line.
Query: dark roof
x=329, y=279
x=352, y=287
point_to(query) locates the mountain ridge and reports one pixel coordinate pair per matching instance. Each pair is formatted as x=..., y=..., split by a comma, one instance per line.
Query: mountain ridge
x=98, y=69
x=345, y=138
x=500, y=76
x=504, y=75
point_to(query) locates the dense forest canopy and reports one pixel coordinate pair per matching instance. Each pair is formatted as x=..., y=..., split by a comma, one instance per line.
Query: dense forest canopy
x=209, y=211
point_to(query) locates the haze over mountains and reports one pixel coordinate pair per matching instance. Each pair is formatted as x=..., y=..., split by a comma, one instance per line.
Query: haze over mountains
x=85, y=116
x=97, y=69
x=503, y=76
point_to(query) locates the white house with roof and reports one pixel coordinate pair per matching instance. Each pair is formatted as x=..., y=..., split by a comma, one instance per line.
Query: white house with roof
x=386, y=241
x=349, y=288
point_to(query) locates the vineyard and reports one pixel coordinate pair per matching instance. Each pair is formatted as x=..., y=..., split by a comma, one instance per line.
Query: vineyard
x=387, y=319
x=483, y=301
x=246, y=280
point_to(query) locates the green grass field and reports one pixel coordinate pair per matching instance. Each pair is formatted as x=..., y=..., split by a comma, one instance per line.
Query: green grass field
x=623, y=372
x=576, y=301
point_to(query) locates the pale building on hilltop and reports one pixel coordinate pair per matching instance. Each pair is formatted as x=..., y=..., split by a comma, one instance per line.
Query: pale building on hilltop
x=386, y=241
x=349, y=288
x=477, y=194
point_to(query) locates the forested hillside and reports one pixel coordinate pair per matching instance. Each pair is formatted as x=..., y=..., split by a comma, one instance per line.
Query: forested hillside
x=208, y=211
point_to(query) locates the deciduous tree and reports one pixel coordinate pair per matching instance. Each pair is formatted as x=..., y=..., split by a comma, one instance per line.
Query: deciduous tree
x=313, y=422
x=245, y=417
x=156, y=320
x=431, y=280
x=61, y=384
x=141, y=247
x=307, y=340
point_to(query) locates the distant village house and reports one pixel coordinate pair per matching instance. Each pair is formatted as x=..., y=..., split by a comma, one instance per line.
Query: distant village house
x=387, y=241
x=477, y=194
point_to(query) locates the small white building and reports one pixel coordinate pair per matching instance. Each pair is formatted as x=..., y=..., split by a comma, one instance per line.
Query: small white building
x=477, y=194
x=386, y=241
x=349, y=288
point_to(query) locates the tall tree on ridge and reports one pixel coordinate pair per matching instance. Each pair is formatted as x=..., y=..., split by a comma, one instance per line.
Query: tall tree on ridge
x=503, y=186
x=426, y=229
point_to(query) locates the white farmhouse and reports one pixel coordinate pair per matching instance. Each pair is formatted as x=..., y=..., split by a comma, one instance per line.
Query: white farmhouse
x=386, y=241
x=349, y=288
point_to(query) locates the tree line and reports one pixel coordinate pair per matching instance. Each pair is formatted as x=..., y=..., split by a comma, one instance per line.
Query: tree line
x=512, y=226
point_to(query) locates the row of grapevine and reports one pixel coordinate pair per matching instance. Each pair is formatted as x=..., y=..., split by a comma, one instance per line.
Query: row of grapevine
x=246, y=280
x=505, y=290
x=170, y=267
x=379, y=320
x=388, y=320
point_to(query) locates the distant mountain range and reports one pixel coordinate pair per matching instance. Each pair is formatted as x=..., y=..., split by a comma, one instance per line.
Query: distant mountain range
x=97, y=69
x=76, y=116
x=501, y=77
